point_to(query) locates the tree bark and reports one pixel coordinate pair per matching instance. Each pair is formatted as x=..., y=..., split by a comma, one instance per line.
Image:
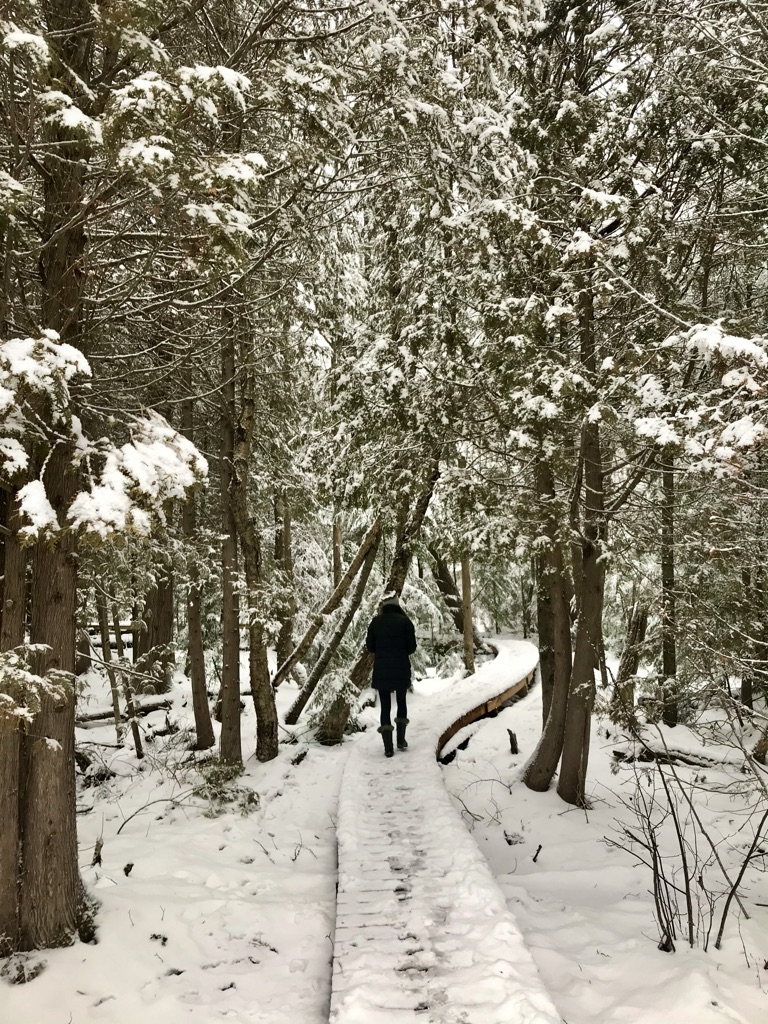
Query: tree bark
x=466, y=612
x=51, y=889
x=371, y=538
x=589, y=625
x=623, y=702
x=11, y=636
x=102, y=607
x=333, y=644
x=267, y=738
x=669, y=615
x=82, y=652
x=286, y=606
x=230, y=748
x=51, y=894
x=546, y=631
x=203, y=725
x=130, y=700
x=158, y=618
x=541, y=767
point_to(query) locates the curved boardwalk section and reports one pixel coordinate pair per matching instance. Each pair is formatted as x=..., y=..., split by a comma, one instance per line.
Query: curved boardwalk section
x=423, y=932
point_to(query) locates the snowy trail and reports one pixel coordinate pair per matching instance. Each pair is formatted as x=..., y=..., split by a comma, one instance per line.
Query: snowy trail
x=423, y=932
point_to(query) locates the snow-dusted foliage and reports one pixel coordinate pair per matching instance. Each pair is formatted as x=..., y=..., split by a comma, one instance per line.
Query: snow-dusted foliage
x=22, y=689
x=35, y=378
x=137, y=479
x=134, y=481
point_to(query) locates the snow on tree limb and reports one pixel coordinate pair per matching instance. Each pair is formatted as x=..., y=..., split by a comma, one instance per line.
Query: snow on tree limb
x=155, y=466
x=135, y=480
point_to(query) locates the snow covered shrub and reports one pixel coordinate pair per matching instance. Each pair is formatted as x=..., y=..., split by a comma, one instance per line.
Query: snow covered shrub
x=221, y=792
x=334, y=684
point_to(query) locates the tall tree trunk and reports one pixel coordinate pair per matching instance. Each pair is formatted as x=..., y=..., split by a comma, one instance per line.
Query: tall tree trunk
x=546, y=631
x=333, y=644
x=157, y=616
x=332, y=729
x=371, y=539
x=230, y=743
x=51, y=889
x=51, y=894
x=541, y=767
x=748, y=670
x=669, y=614
x=286, y=606
x=11, y=635
x=623, y=701
x=589, y=625
x=261, y=688
x=83, y=651
x=203, y=726
x=466, y=612
x=102, y=608
x=267, y=738
x=130, y=700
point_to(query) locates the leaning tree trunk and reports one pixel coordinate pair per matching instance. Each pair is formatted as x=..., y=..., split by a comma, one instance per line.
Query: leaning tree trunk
x=230, y=748
x=669, y=615
x=332, y=729
x=333, y=644
x=541, y=767
x=11, y=635
x=371, y=539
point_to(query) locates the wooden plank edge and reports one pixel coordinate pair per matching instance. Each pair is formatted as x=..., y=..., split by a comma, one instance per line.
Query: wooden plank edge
x=520, y=687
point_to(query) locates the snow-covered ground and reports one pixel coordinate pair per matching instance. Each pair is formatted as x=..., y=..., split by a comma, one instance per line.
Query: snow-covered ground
x=222, y=916
x=225, y=916
x=585, y=908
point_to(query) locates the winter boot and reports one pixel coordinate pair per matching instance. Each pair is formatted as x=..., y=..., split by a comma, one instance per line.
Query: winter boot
x=386, y=735
x=401, y=724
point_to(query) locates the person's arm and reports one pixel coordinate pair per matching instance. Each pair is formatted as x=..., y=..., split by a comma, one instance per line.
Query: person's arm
x=370, y=639
x=411, y=637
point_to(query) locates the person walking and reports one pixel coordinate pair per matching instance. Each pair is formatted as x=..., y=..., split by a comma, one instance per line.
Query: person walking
x=391, y=639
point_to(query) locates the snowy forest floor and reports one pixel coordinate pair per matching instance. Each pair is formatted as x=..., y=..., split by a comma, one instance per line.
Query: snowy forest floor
x=226, y=915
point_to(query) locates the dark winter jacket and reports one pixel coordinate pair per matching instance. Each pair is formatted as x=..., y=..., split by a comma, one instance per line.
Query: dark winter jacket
x=391, y=638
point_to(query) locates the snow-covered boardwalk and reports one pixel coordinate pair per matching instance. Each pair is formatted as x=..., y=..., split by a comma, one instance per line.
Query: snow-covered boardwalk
x=423, y=932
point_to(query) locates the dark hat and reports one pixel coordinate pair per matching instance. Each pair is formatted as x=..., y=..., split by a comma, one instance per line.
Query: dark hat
x=390, y=598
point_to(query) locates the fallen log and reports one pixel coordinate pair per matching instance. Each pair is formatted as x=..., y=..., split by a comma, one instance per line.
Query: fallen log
x=648, y=755
x=141, y=709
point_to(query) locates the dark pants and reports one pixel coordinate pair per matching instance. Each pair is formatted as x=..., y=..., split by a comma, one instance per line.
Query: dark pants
x=385, y=697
